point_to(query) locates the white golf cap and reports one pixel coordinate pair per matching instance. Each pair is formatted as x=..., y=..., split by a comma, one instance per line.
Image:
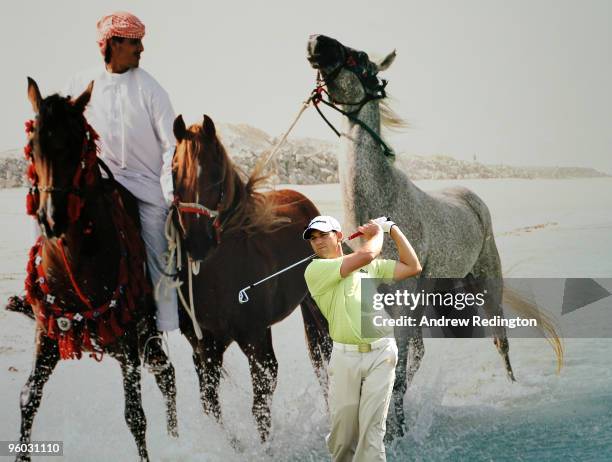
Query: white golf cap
x=321, y=223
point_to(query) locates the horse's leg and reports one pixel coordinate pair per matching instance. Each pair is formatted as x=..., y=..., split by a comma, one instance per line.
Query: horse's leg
x=411, y=350
x=134, y=414
x=487, y=275
x=208, y=360
x=47, y=357
x=318, y=340
x=166, y=382
x=158, y=363
x=264, y=372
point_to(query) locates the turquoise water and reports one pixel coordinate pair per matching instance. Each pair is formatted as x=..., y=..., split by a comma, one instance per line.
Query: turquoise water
x=580, y=429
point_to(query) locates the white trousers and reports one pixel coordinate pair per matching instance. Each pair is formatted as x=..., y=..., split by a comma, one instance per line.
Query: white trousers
x=152, y=221
x=360, y=387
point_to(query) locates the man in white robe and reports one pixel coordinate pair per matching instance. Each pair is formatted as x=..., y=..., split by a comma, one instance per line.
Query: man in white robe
x=133, y=116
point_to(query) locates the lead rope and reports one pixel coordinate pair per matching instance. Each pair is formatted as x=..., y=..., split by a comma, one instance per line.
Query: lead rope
x=174, y=253
x=304, y=106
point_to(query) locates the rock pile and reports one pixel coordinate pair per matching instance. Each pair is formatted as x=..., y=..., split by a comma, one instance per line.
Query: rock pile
x=312, y=161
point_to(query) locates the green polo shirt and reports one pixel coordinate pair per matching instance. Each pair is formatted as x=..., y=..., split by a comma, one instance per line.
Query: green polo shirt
x=339, y=299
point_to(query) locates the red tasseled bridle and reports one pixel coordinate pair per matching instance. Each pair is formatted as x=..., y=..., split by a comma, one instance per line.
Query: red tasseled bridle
x=83, y=177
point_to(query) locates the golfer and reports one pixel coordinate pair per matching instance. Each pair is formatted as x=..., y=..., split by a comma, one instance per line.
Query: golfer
x=361, y=370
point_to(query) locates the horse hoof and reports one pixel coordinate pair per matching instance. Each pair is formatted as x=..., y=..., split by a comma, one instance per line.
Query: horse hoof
x=173, y=433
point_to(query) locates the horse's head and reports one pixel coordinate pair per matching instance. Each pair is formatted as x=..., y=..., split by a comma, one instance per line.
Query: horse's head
x=57, y=143
x=200, y=171
x=350, y=75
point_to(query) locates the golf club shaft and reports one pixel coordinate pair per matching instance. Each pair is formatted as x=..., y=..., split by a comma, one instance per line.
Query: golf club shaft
x=310, y=257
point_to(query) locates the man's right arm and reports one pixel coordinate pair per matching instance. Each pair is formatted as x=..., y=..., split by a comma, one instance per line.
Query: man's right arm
x=373, y=235
x=408, y=264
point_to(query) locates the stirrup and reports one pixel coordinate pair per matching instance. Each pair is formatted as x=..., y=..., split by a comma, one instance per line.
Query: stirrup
x=155, y=366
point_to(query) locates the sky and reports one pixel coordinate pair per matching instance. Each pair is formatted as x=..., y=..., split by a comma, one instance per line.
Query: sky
x=521, y=82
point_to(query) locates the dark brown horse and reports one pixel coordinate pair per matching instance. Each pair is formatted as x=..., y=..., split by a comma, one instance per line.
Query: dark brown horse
x=85, y=280
x=232, y=236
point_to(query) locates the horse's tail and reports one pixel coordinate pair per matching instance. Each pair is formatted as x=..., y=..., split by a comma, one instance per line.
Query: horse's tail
x=527, y=309
x=19, y=304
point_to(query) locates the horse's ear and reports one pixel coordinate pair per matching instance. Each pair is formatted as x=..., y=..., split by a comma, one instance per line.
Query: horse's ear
x=179, y=128
x=34, y=95
x=208, y=127
x=82, y=100
x=386, y=62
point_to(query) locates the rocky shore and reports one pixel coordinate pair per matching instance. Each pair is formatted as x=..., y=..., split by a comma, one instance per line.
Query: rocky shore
x=312, y=161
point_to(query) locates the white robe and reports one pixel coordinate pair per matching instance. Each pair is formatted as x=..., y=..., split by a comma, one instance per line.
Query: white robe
x=133, y=116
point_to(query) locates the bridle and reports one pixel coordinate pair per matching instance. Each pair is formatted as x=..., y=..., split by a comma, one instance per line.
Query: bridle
x=83, y=177
x=373, y=87
x=179, y=208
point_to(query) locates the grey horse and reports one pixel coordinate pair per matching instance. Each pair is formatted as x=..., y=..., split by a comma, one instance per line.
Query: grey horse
x=450, y=229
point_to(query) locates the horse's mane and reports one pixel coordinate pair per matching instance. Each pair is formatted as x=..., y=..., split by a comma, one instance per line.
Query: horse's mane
x=389, y=118
x=244, y=206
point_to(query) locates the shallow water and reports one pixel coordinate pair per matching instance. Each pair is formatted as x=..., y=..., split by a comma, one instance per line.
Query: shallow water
x=460, y=405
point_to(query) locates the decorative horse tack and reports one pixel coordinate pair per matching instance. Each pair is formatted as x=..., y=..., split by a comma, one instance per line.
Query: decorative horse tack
x=82, y=177
x=179, y=208
x=76, y=335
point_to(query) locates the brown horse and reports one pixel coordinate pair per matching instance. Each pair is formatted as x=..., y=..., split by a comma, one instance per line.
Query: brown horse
x=232, y=235
x=85, y=279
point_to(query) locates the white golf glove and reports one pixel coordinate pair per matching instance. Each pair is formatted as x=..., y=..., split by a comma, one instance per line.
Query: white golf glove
x=385, y=224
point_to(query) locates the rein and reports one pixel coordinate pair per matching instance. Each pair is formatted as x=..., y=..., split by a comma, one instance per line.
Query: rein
x=371, y=94
x=173, y=256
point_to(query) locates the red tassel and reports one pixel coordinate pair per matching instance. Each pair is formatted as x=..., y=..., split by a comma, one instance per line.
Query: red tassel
x=51, y=327
x=31, y=173
x=32, y=201
x=67, y=346
x=27, y=150
x=86, y=339
x=61, y=347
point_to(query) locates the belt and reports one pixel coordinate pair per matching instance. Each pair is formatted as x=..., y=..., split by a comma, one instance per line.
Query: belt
x=363, y=347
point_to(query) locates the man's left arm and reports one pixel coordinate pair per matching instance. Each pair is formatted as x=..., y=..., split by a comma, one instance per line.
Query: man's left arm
x=162, y=120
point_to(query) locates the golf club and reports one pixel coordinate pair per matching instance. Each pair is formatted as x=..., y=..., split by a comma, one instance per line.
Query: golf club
x=242, y=295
